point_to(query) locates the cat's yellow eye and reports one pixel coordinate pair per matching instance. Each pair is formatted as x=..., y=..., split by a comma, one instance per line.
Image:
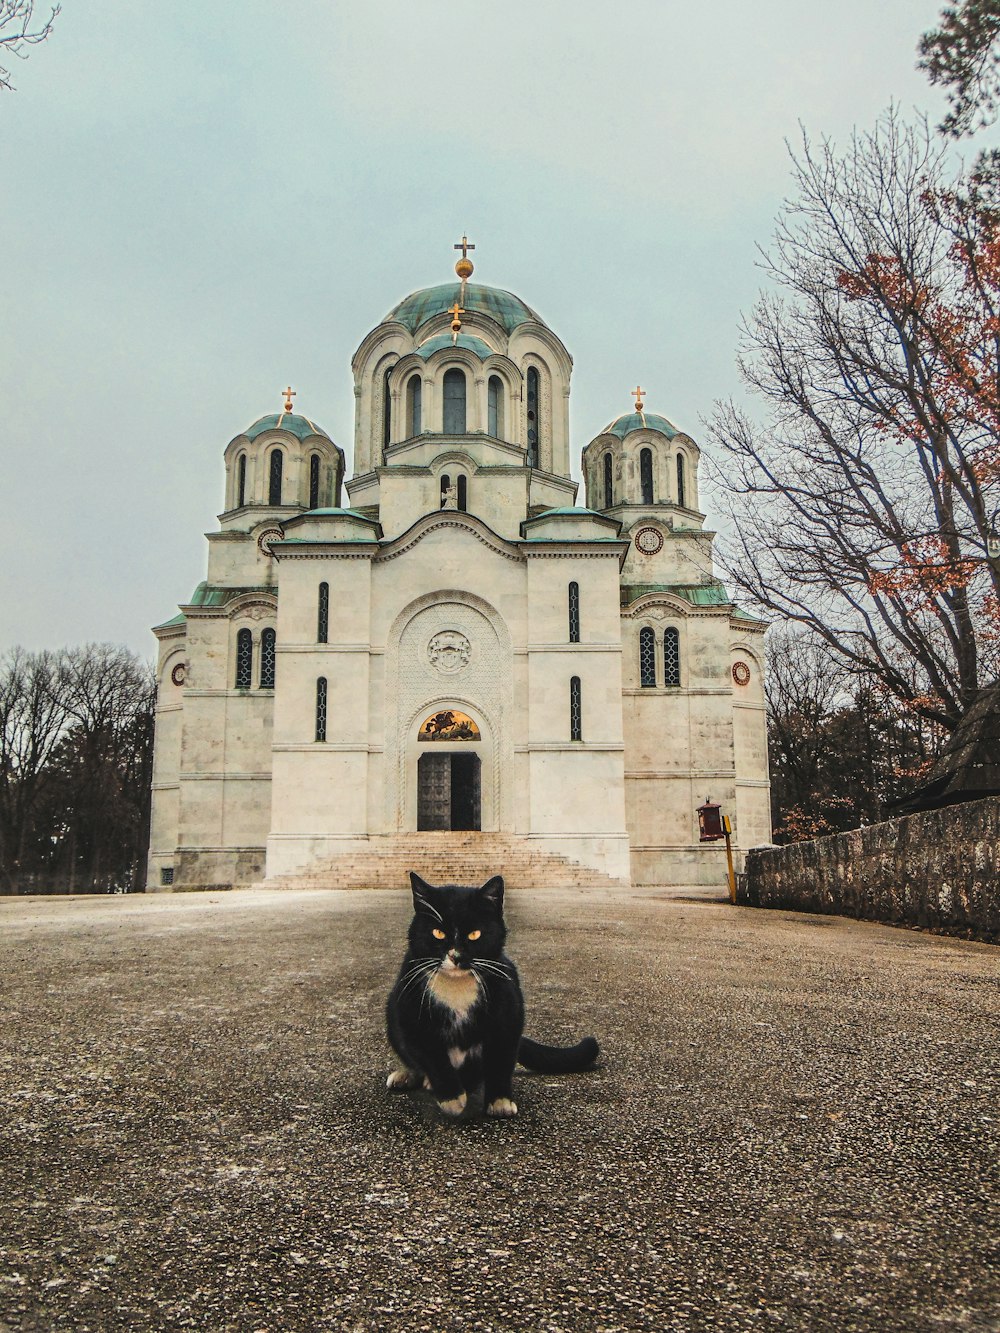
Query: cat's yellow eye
x=474, y=934
x=438, y=934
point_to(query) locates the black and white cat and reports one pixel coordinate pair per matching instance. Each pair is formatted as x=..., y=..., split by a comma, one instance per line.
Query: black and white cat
x=455, y=1016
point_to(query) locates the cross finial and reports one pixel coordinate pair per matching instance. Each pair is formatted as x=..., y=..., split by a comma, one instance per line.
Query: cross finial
x=455, y=311
x=289, y=395
x=463, y=266
x=639, y=396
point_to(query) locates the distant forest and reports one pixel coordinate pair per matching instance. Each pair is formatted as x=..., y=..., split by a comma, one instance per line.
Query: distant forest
x=76, y=761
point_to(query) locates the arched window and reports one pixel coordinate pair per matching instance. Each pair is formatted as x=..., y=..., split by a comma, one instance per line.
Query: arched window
x=671, y=657
x=323, y=618
x=386, y=411
x=462, y=483
x=454, y=401
x=574, y=613
x=534, y=417
x=321, y=709
x=414, y=395
x=494, y=399
x=647, y=657
x=274, y=477
x=609, y=490
x=646, y=475
x=241, y=481
x=244, y=659
x=445, y=489
x=267, y=654
x=680, y=481
x=575, y=710
x=314, y=481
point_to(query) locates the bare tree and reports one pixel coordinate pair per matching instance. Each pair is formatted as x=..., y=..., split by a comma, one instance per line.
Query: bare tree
x=76, y=737
x=862, y=507
x=32, y=722
x=841, y=750
x=19, y=30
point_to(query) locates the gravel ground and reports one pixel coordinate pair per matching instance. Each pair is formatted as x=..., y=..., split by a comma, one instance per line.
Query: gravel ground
x=793, y=1124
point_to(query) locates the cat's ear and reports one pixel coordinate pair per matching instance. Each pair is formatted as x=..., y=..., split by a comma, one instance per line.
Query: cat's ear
x=421, y=891
x=492, y=892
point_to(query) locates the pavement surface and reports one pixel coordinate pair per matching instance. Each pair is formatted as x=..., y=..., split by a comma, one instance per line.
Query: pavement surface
x=793, y=1124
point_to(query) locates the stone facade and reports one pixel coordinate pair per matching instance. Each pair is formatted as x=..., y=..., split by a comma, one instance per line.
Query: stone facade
x=939, y=869
x=607, y=682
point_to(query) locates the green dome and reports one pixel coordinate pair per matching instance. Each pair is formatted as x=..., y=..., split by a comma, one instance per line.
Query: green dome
x=631, y=421
x=507, y=309
x=300, y=427
x=466, y=340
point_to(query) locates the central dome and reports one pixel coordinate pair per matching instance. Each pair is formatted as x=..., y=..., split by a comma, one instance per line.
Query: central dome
x=507, y=309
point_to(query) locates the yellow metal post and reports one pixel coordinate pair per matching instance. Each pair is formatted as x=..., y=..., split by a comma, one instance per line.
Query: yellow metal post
x=727, y=829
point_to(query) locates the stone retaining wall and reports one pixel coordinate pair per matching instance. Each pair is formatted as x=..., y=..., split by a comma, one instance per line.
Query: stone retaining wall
x=939, y=869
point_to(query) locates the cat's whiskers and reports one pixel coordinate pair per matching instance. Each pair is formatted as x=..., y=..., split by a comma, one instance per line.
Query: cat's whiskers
x=428, y=907
x=421, y=970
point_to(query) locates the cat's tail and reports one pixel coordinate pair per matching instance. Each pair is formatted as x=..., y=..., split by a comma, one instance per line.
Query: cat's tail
x=557, y=1059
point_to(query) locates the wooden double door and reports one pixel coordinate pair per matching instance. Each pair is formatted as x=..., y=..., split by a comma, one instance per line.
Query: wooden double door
x=449, y=791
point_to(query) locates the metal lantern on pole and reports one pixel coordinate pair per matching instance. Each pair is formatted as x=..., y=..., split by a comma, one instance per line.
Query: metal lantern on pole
x=712, y=826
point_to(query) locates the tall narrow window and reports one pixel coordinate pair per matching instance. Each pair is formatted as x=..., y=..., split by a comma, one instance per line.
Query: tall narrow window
x=414, y=394
x=609, y=489
x=454, y=402
x=244, y=659
x=241, y=482
x=321, y=709
x=647, y=657
x=462, y=482
x=574, y=613
x=575, y=710
x=386, y=411
x=267, y=655
x=314, y=481
x=494, y=401
x=274, y=477
x=671, y=657
x=646, y=475
x=447, y=495
x=680, y=481
x=323, y=618
x=534, y=418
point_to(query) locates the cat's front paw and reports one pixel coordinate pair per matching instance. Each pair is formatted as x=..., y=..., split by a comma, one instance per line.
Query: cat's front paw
x=455, y=1106
x=502, y=1106
x=401, y=1080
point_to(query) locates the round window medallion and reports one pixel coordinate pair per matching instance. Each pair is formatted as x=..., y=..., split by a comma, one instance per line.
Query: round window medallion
x=178, y=673
x=741, y=673
x=649, y=540
x=265, y=539
x=449, y=651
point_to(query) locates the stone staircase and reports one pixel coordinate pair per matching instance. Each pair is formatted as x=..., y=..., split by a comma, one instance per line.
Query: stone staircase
x=444, y=858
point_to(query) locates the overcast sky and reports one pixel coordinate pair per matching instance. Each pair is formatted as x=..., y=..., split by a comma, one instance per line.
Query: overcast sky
x=200, y=203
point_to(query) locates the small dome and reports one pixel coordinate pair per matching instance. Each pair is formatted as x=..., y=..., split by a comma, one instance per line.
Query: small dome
x=507, y=309
x=624, y=425
x=474, y=345
x=300, y=427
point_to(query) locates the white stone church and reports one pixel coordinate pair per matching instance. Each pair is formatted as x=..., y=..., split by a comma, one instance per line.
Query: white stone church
x=456, y=668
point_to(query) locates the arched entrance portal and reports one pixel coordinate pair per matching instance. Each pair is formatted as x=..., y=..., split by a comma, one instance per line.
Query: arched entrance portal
x=449, y=780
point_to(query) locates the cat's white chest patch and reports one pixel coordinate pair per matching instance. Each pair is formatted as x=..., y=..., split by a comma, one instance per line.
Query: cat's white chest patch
x=458, y=1056
x=457, y=991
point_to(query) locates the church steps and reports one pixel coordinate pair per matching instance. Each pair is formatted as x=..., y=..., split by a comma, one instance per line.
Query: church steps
x=446, y=859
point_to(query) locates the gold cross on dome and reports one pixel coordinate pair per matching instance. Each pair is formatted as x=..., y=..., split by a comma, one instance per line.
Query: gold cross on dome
x=289, y=395
x=465, y=245
x=456, y=323
x=639, y=396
